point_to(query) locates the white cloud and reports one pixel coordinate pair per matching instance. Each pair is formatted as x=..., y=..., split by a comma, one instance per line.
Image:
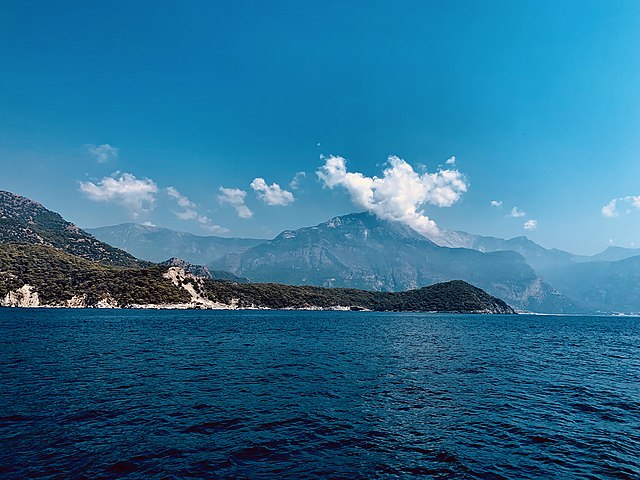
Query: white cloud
x=136, y=195
x=451, y=160
x=189, y=212
x=297, y=178
x=235, y=197
x=102, y=153
x=516, y=213
x=399, y=193
x=530, y=224
x=149, y=224
x=496, y=203
x=183, y=201
x=271, y=194
x=207, y=224
x=610, y=210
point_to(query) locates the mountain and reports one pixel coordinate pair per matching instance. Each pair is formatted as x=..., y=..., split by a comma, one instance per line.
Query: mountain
x=157, y=244
x=362, y=251
x=613, y=254
x=539, y=257
x=606, y=287
x=24, y=220
x=40, y=275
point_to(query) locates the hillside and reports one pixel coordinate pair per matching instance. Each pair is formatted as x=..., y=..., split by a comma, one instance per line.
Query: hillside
x=607, y=286
x=362, y=251
x=26, y=221
x=39, y=275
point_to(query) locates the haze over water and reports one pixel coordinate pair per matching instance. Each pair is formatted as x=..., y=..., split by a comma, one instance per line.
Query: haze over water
x=175, y=394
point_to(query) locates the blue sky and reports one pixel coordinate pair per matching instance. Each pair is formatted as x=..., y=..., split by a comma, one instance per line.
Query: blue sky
x=538, y=102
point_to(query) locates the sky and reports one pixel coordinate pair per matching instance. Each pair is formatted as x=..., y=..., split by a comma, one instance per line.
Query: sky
x=246, y=118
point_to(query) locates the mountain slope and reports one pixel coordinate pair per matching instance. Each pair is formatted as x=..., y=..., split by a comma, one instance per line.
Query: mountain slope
x=24, y=220
x=40, y=275
x=157, y=244
x=613, y=254
x=602, y=286
x=536, y=255
x=361, y=251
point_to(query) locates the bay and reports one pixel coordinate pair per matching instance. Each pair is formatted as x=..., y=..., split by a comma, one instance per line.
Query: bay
x=299, y=394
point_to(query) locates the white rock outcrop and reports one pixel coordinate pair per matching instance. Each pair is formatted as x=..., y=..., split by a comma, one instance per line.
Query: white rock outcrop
x=193, y=286
x=24, y=296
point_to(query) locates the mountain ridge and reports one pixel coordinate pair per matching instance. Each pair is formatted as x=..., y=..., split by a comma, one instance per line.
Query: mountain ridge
x=27, y=221
x=361, y=251
x=156, y=244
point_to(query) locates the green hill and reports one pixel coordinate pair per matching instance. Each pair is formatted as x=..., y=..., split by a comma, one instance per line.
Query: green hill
x=26, y=221
x=61, y=279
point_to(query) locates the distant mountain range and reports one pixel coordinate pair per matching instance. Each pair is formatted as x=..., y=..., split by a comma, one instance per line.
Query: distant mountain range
x=157, y=244
x=47, y=261
x=353, y=251
x=361, y=251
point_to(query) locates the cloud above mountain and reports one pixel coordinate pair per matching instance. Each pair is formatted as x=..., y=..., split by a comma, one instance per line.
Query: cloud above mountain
x=235, y=197
x=136, y=195
x=102, y=153
x=271, y=194
x=399, y=194
x=516, y=213
x=297, y=179
x=530, y=225
x=610, y=210
x=188, y=211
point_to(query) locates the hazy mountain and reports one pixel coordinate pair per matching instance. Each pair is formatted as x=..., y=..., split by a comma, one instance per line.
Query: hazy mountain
x=536, y=255
x=157, y=244
x=613, y=254
x=26, y=221
x=601, y=286
x=539, y=257
x=361, y=251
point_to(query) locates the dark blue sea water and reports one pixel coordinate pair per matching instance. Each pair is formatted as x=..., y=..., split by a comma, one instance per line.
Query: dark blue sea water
x=174, y=394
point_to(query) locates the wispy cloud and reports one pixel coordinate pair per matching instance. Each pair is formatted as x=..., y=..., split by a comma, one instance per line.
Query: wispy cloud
x=610, y=210
x=271, y=194
x=136, y=195
x=207, y=224
x=102, y=153
x=400, y=193
x=530, y=225
x=451, y=160
x=235, y=197
x=190, y=212
x=516, y=213
x=297, y=178
x=496, y=203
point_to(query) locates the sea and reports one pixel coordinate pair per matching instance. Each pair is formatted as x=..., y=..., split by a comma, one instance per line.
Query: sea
x=140, y=394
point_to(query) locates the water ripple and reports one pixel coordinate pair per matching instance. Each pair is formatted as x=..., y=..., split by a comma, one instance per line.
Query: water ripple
x=261, y=395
